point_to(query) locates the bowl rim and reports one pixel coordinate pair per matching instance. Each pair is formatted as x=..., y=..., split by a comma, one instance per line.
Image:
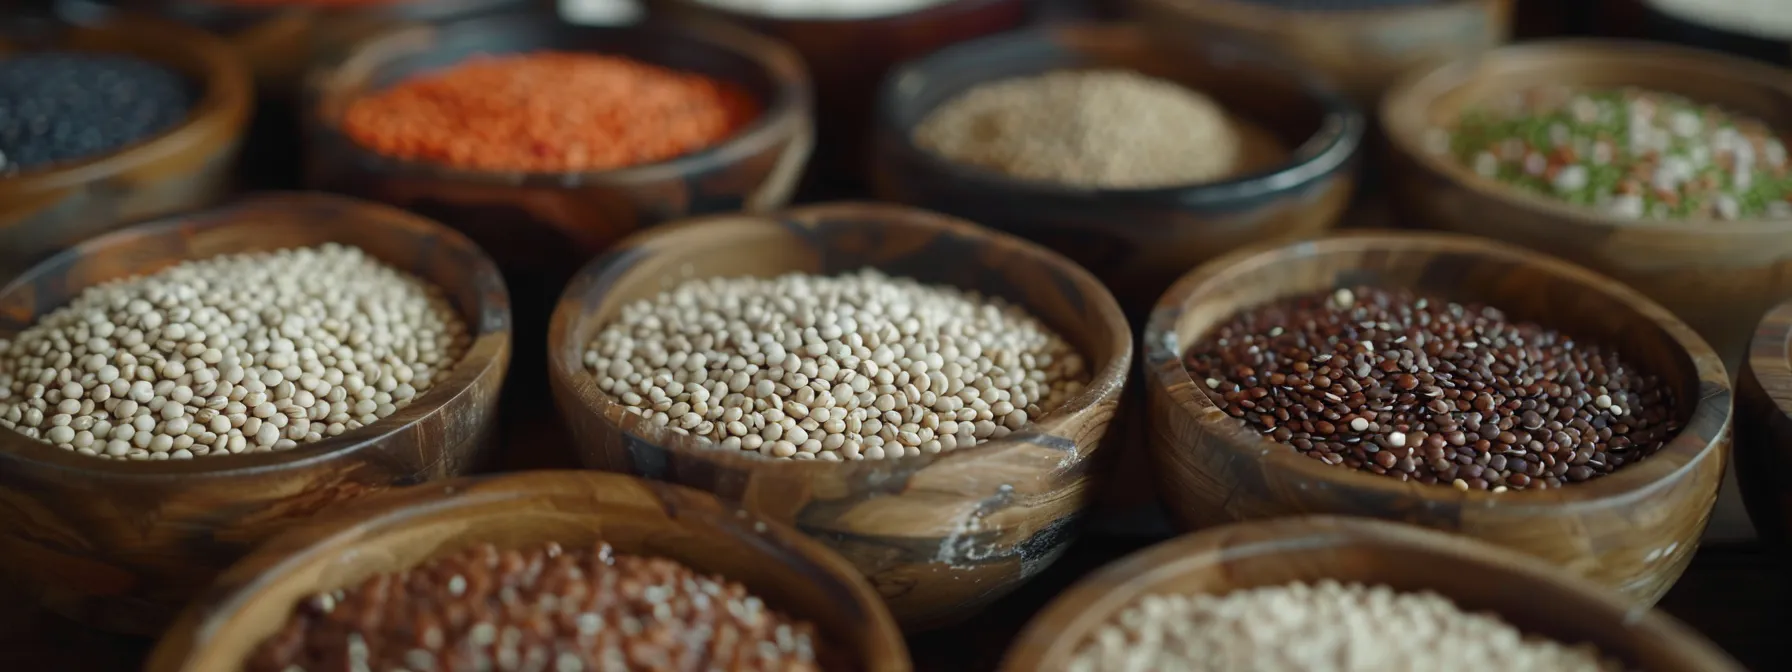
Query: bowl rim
x=221, y=109
x=603, y=273
x=488, y=323
x=342, y=530
x=788, y=112
x=1261, y=16
x=1330, y=149
x=1102, y=594
x=1405, y=111
x=934, y=11
x=1710, y=416
x=1769, y=356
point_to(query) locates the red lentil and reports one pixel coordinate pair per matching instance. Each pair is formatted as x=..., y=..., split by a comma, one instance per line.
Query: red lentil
x=540, y=609
x=549, y=112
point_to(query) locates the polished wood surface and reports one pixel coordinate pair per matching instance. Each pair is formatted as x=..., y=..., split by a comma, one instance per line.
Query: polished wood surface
x=123, y=545
x=1764, y=428
x=850, y=57
x=47, y=210
x=938, y=535
x=1633, y=530
x=1136, y=241
x=1719, y=276
x=1362, y=50
x=401, y=529
x=1529, y=594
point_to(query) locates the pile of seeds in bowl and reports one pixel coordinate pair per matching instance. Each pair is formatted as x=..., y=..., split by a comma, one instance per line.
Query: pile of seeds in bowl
x=549, y=112
x=1322, y=627
x=1109, y=129
x=237, y=353
x=850, y=367
x=541, y=608
x=1416, y=388
x=1629, y=152
x=57, y=107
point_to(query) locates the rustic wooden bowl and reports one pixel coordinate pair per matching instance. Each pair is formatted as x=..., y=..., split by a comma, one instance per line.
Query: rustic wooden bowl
x=938, y=535
x=123, y=545
x=46, y=210
x=849, y=57
x=1718, y=276
x=1137, y=241
x=1531, y=595
x=1634, y=530
x=542, y=226
x=398, y=530
x=1363, y=51
x=1764, y=428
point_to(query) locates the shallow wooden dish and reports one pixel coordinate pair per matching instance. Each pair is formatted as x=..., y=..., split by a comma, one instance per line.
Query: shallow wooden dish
x=1764, y=428
x=542, y=226
x=1718, y=276
x=1363, y=50
x=1136, y=240
x=1531, y=595
x=1634, y=530
x=48, y=209
x=849, y=57
x=122, y=546
x=398, y=530
x=938, y=535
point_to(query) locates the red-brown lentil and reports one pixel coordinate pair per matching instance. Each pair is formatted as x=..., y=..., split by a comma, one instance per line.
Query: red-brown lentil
x=1415, y=388
x=549, y=112
x=540, y=608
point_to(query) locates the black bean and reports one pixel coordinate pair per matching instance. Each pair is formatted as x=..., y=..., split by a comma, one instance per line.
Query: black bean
x=61, y=106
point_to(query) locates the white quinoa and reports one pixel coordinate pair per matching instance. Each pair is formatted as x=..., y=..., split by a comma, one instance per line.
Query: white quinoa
x=858, y=366
x=1089, y=128
x=233, y=354
x=1322, y=627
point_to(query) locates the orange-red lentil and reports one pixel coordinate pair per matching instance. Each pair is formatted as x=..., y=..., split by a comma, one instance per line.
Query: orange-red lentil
x=549, y=112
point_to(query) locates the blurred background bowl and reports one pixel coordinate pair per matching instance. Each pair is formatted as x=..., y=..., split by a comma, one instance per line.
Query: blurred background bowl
x=1764, y=428
x=849, y=57
x=1136, y=240
x=48, y=209
x=399, y=530
x=940, y=536
x=123, y=545
x=1477, y=577
x=1634, y=530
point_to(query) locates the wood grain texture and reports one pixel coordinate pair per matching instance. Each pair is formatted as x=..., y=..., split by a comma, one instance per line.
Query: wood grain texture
x=849, y=57
x=1529, y=594
x=47, y=210
x=541, y=227
x=1719, y=276
x=939, y=535
x=401, y=529
x=123, y=545
x=1633, y=530
x=1136, y=241
x=1764, y=428
x=1362, y=50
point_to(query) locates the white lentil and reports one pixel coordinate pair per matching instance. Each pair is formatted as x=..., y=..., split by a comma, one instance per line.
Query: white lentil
x=742, y=349
x=1323, y=627
x=116, y=366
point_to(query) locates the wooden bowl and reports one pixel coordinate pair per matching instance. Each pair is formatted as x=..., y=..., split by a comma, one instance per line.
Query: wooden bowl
x=123, y=545
x=1531, y=595
x=1718, y=276
x=1136, y=240
x=542, y=226
x=1634, y=530
x=46, y=210
x=1363, y=51
x=849, y=57
x=938, y=535
x=1764, y=428
x=399, y=530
